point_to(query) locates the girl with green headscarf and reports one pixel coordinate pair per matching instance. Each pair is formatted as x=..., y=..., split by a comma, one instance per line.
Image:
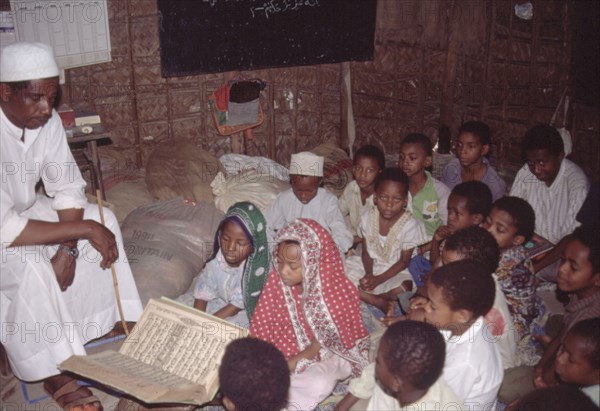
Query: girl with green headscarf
x=231, y=282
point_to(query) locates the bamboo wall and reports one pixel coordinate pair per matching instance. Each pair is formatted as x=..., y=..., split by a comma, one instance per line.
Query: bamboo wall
x=436, y=61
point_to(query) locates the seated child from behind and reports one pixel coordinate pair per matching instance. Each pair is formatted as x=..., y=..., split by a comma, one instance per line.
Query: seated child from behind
x=358, y=194
x=427, y=197
x=578, y=358
x=253, y=376
x=459, y=294
x=408, y=368
x=305, y=199
x=390, y=235
x=511, y=221
x=230, y=283
x=471, y=164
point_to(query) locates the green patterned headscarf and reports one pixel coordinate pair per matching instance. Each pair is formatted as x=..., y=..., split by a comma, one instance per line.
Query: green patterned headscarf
x=256, y=268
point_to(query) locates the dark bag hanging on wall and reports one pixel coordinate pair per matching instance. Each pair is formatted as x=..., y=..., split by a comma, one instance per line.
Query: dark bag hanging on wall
x=236, y=106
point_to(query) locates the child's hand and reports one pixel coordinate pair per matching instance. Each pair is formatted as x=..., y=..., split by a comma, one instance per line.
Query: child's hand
x=442, y=233
x=368, y=282
x=292, y=362
x=544, y=340
x=418, y=302
x=391, y=319
x=416, y=315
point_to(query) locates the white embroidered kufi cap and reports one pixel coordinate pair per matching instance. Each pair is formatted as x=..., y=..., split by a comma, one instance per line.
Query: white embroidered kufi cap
x=27, y=61
x=307, y=164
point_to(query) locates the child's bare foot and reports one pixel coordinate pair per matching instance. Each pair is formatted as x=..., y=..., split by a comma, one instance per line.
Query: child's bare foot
x=391, y=319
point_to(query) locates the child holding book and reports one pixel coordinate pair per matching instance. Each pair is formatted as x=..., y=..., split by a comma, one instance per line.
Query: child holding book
x=390, y=235
x=231, y=282
x=305, y=199
x=310, y=311
x=511, y=221
x=358, y=194
x=471, y=164
x=253, y=376
x=427, y=197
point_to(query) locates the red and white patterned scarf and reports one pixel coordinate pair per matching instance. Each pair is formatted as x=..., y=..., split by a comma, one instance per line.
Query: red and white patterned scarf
x=328, y=309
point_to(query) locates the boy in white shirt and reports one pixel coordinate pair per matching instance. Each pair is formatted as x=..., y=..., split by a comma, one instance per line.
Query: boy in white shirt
x=459, y=294
x=307, y=200
x=555, y=187
x=408, y=369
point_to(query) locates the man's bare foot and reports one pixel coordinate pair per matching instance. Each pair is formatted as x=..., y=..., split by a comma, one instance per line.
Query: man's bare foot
x=70, y=395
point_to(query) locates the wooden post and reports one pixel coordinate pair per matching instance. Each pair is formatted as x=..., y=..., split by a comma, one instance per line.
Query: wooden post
x=449, y=82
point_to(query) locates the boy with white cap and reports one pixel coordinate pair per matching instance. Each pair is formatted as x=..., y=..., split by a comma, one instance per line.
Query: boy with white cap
x=307, y=200
x=56, y=293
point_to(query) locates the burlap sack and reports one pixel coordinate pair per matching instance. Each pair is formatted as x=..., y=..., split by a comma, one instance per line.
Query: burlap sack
x=337, y=169
x=179, y=168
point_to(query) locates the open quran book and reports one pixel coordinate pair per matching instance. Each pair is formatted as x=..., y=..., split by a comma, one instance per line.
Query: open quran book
x=172, y=355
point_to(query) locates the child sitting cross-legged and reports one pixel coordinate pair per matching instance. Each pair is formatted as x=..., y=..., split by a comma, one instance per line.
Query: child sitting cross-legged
x=231, y=282
x=408, y=368
x=511, y=221
x=390, y=235
x=253, y=376
x=358, y=194
x=578, y=358
x=310, y=311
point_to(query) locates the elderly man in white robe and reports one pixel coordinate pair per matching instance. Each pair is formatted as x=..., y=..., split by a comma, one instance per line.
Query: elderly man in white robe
x=56, y=287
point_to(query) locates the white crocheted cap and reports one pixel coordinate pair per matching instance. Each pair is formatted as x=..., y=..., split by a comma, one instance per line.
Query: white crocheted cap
x=307, y=164
x=27, y=61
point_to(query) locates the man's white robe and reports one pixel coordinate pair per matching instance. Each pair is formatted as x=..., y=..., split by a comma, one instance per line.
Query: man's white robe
x=42, y=326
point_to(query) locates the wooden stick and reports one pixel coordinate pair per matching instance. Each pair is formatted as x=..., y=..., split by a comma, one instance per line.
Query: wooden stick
x=112, y=268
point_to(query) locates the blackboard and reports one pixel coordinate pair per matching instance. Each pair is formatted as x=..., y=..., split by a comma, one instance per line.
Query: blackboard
x=210, y=36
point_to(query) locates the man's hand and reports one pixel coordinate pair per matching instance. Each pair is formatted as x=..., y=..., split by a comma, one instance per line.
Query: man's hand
x=103, y=240
x=64, y=269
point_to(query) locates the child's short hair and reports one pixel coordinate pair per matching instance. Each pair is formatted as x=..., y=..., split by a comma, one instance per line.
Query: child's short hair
x=521, y=212
x=420, y=139
x=558, y=398
x=373, y=152
x=392, y=174
x=588, y=236
x=416, y=352
x=475, y=244
x=479, y=129
x=254, y=375
x=466, y=285
x=478, y=195
x=589, y=330
x=543, y=137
